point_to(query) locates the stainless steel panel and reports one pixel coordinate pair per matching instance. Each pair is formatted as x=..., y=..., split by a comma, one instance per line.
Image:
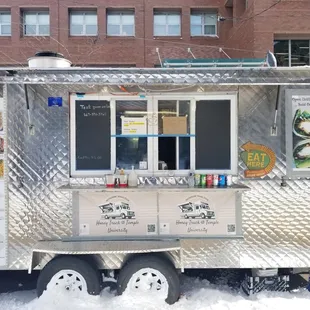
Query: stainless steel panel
x=38, y=165
x=98, y=247
x=112, y=253
x=144, y=77
x=276, y=219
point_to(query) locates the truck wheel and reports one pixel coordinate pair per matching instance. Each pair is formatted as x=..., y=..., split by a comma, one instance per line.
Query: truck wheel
x=150, y=273
x=203, y=215
x=70, y=274
x=123, y=216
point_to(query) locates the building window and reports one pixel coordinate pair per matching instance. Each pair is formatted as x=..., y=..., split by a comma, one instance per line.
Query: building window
x=83, y=23
x=290, y=53
x=167, y=24
x=36, y=24
x=203, y=24
x=5, y=23
x=121, y=23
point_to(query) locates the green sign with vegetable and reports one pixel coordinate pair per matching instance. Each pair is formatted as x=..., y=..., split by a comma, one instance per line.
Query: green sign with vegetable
x=301, y=132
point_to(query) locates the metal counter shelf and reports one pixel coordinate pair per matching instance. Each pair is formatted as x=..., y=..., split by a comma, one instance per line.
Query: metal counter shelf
x=102, y=188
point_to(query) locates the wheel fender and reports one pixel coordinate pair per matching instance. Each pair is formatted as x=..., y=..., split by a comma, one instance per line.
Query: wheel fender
x=163, y=255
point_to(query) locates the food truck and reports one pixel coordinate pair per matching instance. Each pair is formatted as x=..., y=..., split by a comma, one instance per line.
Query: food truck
x=196, y=209
x=118, y=209
x=65, y=129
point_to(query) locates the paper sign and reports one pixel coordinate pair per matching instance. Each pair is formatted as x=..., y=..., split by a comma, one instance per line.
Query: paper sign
x=118, y=214
x=134, y=126
x=195, y=214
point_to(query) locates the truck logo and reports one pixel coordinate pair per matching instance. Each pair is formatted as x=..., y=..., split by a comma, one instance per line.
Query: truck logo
x=196, y=209
x=116, y=210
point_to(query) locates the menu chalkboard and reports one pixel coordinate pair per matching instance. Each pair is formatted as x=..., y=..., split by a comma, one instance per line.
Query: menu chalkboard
x=213, y=135
x=93, y=135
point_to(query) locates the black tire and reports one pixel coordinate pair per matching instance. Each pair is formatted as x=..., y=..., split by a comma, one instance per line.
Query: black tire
x=203, y=215
x=186, y=216
x=90, y=274
x=154, y=262
x=123, y=216
x=106, y=217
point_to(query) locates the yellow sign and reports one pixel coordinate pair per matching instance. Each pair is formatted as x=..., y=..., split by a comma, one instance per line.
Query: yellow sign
x=259, y=159
x=134, y=125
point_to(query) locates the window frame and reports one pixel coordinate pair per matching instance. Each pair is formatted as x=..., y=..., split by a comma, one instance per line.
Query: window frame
x=152, y=139
x=114, y=136
x=84, y=13
x=290, y=48
x=37, y=13
x=203, y=24
x=121, y=13
x=166, y=14
x=6, y=24
x=193, y=98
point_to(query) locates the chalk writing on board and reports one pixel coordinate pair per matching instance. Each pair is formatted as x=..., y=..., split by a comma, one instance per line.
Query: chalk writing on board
x=89, y=157
x=93, y=120
x=87, y=114
x=91, y=107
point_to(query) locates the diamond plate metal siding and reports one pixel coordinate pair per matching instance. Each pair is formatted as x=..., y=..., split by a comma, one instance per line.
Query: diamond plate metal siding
x=213, y=76
x=276, y=219
x=38, y=164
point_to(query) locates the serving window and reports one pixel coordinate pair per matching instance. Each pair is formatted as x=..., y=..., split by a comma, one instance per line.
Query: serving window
x=173, y=134
x=132, y=134
x=156, y=135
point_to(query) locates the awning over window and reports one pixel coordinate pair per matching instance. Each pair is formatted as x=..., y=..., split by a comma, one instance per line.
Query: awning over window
x=224, y=63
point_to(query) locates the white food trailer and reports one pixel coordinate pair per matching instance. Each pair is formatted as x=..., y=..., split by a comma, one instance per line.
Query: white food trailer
x=65, y=129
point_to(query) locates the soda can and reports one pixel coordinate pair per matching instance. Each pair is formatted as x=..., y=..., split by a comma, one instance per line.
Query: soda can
x=203, y=180
x=222, y=180
x=197, y=180
x=229, y=180
x=215, y=180
x=209, y=180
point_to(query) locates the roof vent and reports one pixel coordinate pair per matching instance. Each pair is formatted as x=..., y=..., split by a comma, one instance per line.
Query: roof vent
x=48, y=59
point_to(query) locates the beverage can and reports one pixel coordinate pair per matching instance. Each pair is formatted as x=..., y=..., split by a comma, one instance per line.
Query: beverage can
x=215, y=180
x=209, y=180
x=197, y=180
x=203, y=180
x=229, y=180
x=222, y=180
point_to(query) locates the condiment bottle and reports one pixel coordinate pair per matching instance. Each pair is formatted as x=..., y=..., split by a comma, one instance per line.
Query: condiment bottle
x=116, y=177
x=132, y=178
x=191, y=180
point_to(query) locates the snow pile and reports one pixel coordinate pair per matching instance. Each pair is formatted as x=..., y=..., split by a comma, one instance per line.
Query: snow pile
x=197, y=295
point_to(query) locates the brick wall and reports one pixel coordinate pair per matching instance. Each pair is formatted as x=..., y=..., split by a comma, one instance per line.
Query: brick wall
x=238, y=37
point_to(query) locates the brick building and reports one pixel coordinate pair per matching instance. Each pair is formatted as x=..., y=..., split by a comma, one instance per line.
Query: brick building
x=138, y=32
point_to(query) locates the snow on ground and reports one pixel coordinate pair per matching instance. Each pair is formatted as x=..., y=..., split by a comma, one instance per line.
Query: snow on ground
x=196, y=295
